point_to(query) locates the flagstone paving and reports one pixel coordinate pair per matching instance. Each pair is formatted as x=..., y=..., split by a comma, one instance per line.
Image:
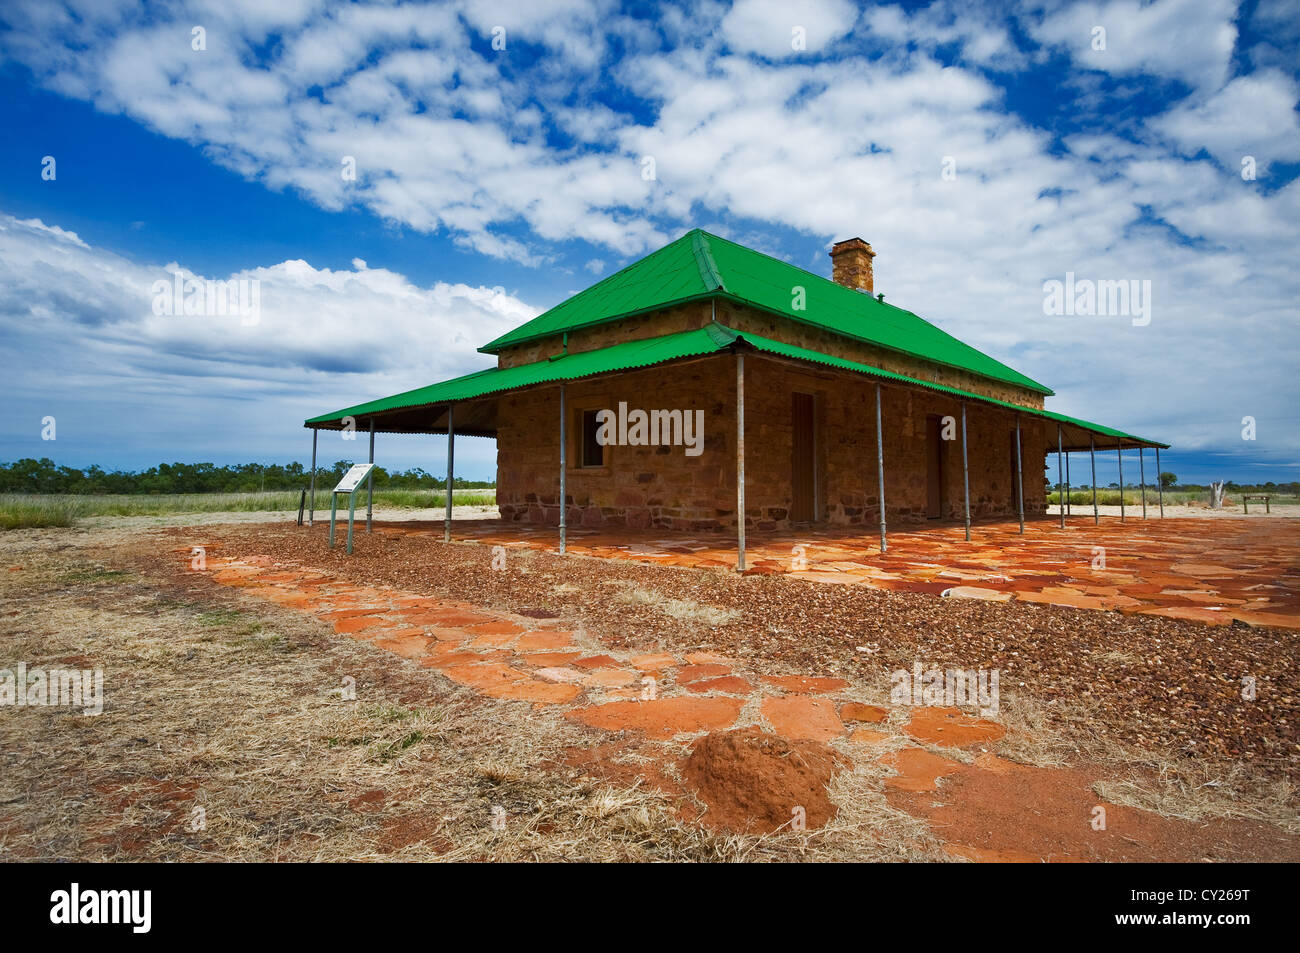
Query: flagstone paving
x=673, y=699
x=1212, y=571
x=660, y=695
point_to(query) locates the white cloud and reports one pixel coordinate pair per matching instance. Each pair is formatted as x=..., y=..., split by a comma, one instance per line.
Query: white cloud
x=1251, y=116
x=975, y=33
x=324, y=339
x=770, y=27
x=441, y=138
x=1187, y=40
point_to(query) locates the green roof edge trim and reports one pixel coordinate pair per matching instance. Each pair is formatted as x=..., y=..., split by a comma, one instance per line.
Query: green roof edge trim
x=1026, y=382
x=627, y=355
x=632, y=355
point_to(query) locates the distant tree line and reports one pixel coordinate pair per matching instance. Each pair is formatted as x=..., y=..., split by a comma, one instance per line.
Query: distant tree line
x=1170, y=482
x=44, y=476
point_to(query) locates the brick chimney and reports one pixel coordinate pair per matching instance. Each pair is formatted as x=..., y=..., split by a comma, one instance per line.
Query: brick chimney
x=851, y=264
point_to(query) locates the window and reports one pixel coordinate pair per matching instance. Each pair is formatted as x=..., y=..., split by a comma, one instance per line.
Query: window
x=592, y=453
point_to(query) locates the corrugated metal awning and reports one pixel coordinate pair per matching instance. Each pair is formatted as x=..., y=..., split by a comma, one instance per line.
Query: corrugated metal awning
x=423, y=410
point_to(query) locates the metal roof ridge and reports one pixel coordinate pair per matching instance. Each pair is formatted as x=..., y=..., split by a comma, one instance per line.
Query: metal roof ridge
x=709, y=273
x=721, y=334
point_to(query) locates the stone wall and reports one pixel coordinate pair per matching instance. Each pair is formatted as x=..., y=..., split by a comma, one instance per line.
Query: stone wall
x=663, y=487
x=637, y=486
x=846, y=469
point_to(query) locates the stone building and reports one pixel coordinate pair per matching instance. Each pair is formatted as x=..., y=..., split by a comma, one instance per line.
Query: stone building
x=707, y=360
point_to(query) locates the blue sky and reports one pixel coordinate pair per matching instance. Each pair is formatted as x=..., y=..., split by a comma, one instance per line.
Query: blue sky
x=1108, y=140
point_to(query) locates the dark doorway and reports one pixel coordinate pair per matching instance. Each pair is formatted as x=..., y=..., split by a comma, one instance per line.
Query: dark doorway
x=803, y=467
x=593, y=453
x=935, y=454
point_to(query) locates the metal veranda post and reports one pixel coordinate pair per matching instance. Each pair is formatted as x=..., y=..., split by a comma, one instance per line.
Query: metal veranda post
x=311, y=519
x=740, y=461
x=1067, y=483
x=880, y=470
x=564, y=505
x=965, y=469
x=1092, y=455
x=1119, y=453
x=451, y=483
x=370, y=480
x=1020, y=480
x=1160, y=485
x=1060, y=503
x=1142, y=479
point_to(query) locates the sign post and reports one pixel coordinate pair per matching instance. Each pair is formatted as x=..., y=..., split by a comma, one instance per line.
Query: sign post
x=350, y=483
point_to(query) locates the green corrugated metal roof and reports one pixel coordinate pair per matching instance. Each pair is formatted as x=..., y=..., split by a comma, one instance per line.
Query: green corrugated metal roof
x=630, y=355
x=700, y=265
x=671, y=274
x=618, y=357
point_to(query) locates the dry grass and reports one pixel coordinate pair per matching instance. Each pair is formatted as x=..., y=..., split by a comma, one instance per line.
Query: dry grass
x=1046, y=735
x=1158, y=781
x=217, y=702
x=35, y=510
x=684, y=610
x=1117, y=657
x=1194, y=791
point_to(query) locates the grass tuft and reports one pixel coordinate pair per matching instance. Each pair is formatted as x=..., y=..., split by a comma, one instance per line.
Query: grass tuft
x=684, y=609
x=35, y=511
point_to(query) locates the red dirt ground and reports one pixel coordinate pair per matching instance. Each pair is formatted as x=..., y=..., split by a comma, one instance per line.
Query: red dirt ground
x=754, y=781
x=990, y=810
x=996, y=810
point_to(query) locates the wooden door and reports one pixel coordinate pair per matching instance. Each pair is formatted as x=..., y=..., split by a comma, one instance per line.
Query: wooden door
x=803, y=467
x=934, y=457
